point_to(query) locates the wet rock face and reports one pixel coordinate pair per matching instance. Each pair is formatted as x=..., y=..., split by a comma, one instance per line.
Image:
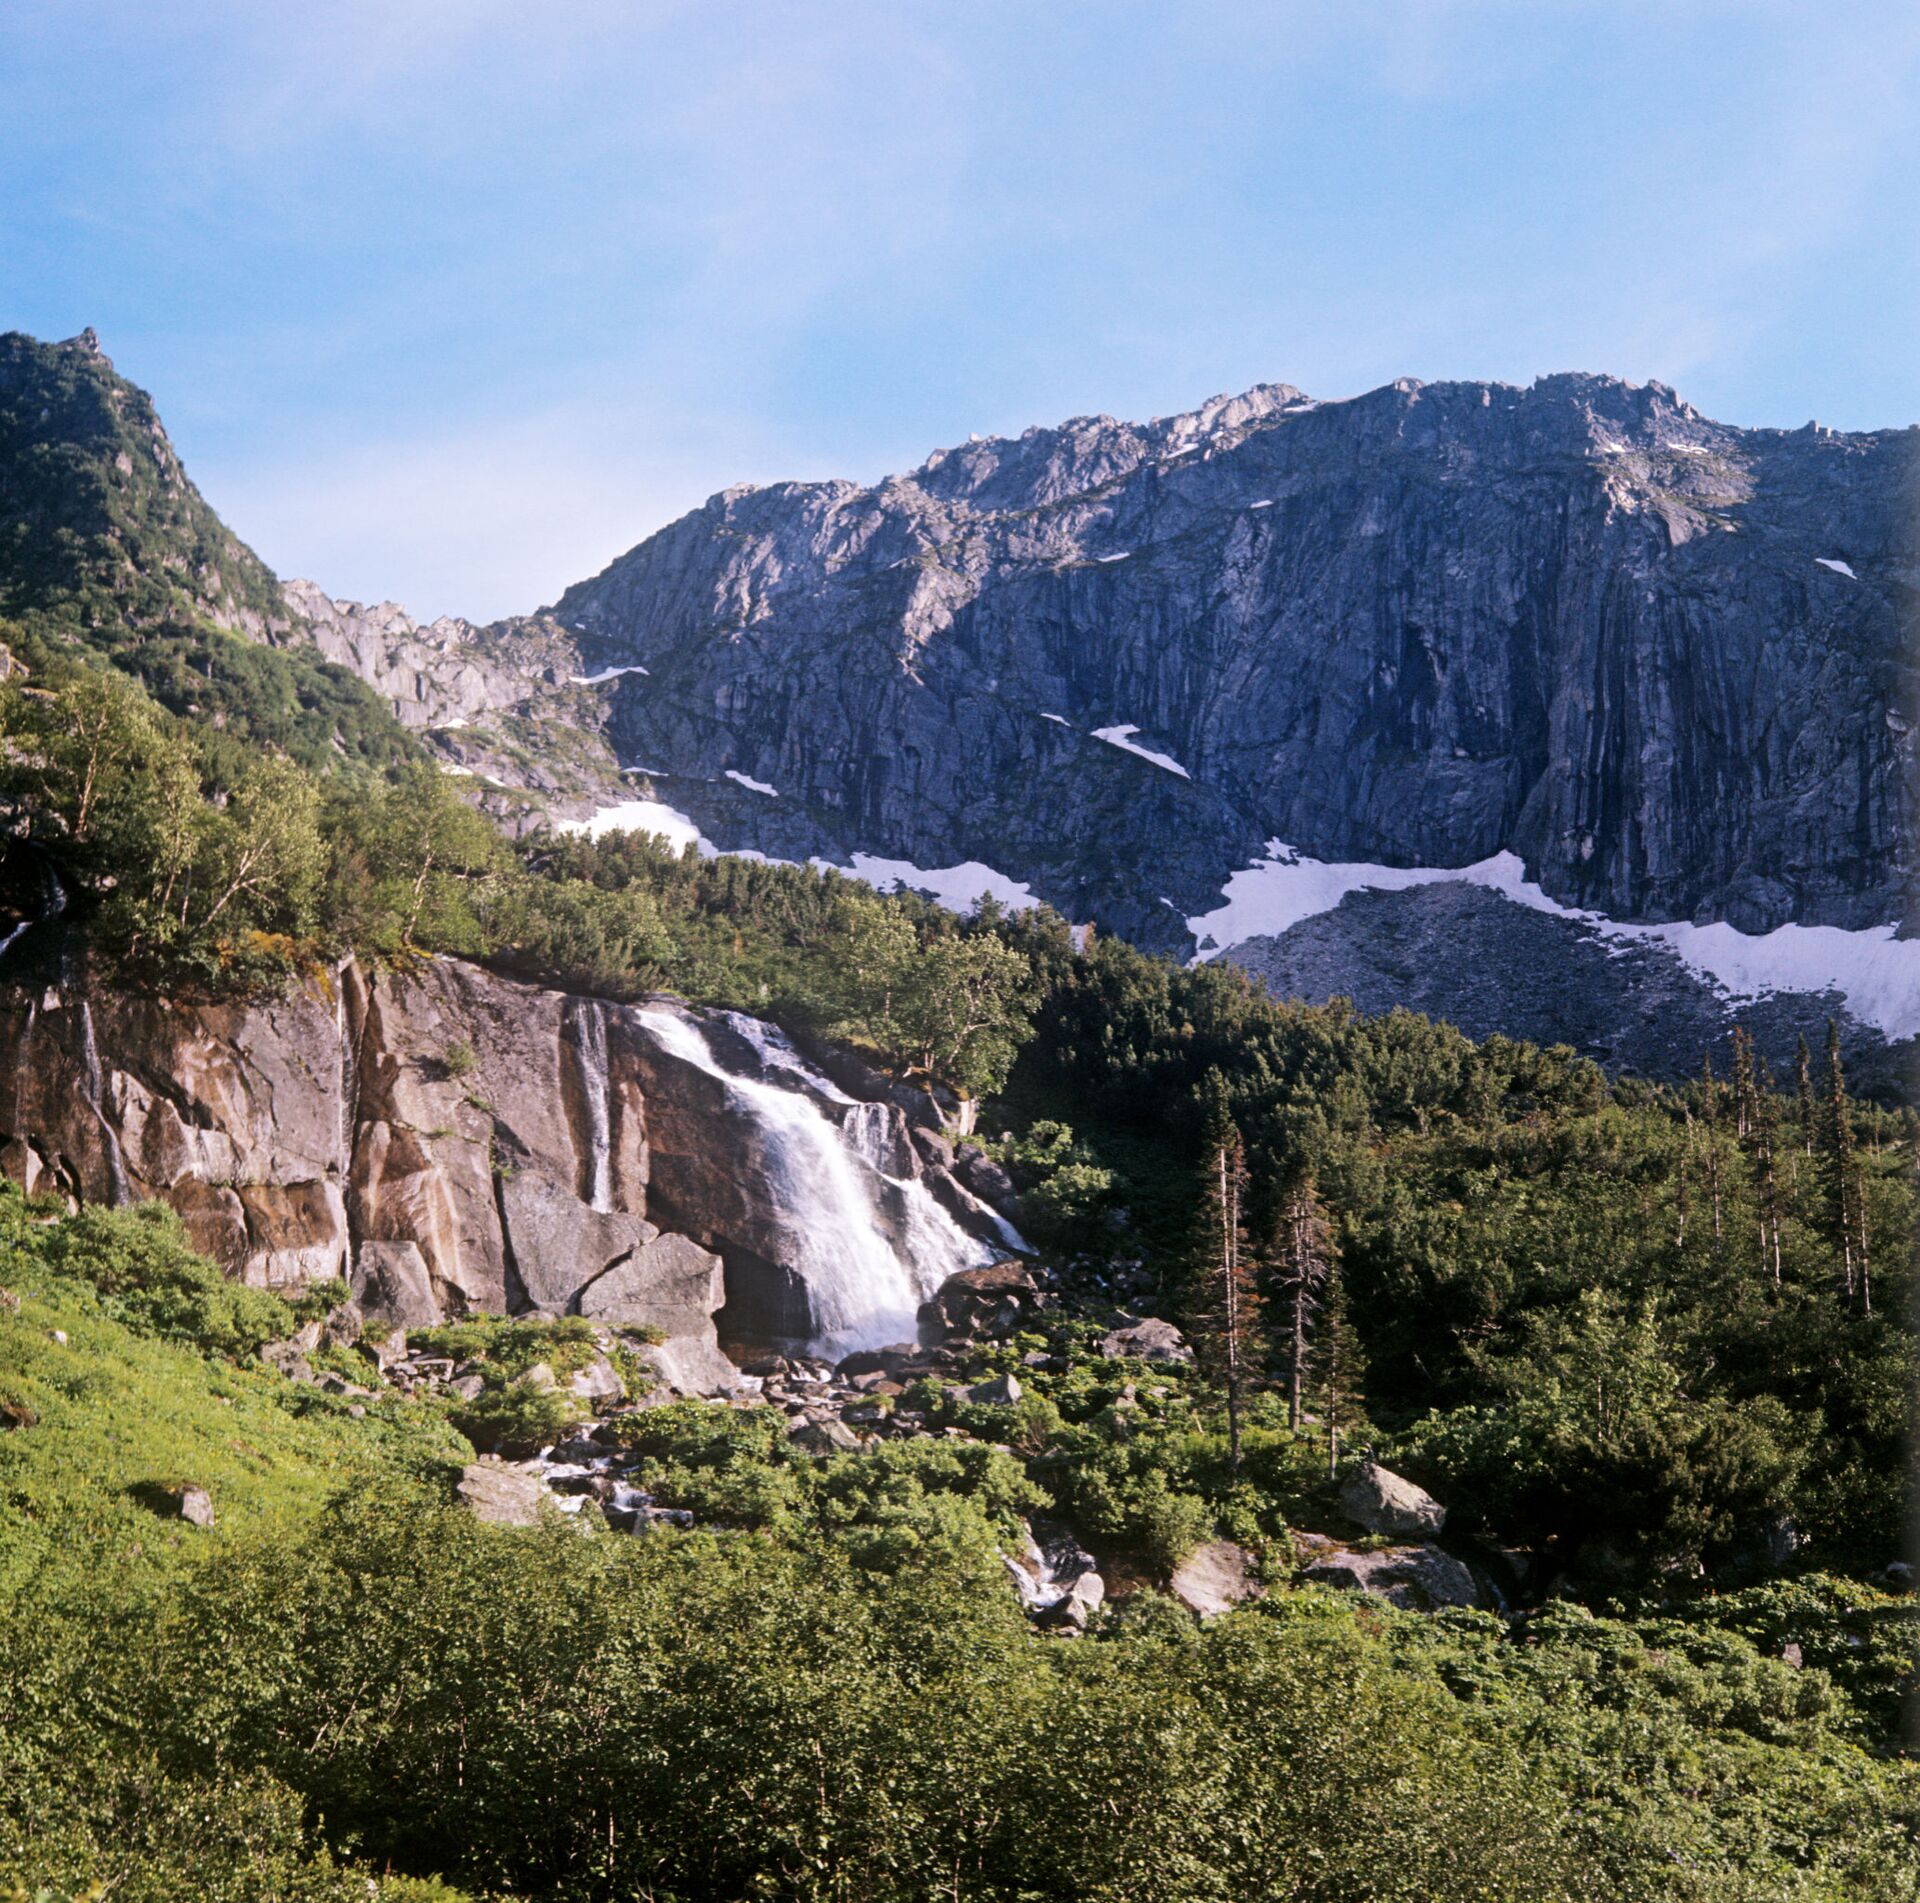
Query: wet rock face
x=447, y=1140
x=1579, y=621
x=450, y=1141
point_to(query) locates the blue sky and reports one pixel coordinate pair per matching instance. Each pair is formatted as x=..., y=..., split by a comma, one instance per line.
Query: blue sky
x=451, y=301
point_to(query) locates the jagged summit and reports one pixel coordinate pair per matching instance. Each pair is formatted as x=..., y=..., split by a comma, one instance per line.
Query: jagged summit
x=1654, y=661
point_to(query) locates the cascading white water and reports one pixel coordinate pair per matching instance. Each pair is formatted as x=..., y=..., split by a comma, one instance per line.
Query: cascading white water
x=863, y=1290
x=775, y=1050
x=596, y=1091
x=56, y=904
x=121, y=1191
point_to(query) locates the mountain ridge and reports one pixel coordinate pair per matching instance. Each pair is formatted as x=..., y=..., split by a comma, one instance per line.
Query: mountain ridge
x=1114, y=665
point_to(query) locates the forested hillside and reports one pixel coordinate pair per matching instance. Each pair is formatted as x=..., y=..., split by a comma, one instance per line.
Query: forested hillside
x=1647, y=1344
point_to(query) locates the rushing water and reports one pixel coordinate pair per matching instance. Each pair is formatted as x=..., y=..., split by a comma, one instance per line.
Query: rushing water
x=865, y=1278
x=56, y=904
x=596, y=1091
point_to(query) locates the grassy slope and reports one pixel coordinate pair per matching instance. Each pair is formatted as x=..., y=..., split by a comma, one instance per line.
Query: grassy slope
x=121, y=1415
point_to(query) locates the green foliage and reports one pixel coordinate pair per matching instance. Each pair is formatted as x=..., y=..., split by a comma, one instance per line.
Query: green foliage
x=516, y=1421
x=140, y=1261
x=506, y=1348
x=773, y=1711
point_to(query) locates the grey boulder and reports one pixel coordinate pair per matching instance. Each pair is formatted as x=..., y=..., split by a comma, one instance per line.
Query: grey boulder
x=1383, y=1501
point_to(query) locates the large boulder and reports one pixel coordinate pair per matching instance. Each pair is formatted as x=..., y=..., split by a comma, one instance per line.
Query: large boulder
x=190, y=1503
x=1215, y=1577
x=1419, y=1578
x=1382, y=1501
x=693, y=1365
x=669, y=1283
x=561, y=1246
x=984, y=1303
x=501, y=1495
x=1073, y=1611
x=1148, y=1340
x=984, y=1177
x=391, y=1284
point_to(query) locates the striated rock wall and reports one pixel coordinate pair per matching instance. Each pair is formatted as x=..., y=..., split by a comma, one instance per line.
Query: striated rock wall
x=448, y=1140
x=1659, y=658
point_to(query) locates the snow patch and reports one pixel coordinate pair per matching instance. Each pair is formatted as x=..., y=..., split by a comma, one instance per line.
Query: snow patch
x=1122, y=737
x=1877, y=974
x=1121, y=557
x=959, y=888
x=1265, y=502
x=752, y=785
x=644, y=816
x=1839, y=567
x=605, y=674
x=1059, y=720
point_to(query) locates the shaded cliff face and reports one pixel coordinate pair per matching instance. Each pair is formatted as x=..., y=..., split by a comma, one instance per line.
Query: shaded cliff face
x=454, y=1142
x=1658, y=658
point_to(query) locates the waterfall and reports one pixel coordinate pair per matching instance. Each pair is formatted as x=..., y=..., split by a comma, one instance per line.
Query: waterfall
x=120, y=1190
x=56, y=904
x=864, y=1290
x=596, y=1094
x=869, y=1129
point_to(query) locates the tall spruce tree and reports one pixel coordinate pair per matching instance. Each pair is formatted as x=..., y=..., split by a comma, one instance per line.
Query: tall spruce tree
x=1226, y=1308
x=1803, y=1094
x=1710, y=1129
x=1303, y=1260
x=1843, y=1185
x=1759, y=1143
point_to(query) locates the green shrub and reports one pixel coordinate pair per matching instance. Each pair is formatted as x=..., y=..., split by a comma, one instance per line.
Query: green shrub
x=148, y=1275
x=516, y=1421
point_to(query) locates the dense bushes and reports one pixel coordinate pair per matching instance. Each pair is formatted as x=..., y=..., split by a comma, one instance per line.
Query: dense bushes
x=555, y=1715
x=726, y=1718
x=142, y=1263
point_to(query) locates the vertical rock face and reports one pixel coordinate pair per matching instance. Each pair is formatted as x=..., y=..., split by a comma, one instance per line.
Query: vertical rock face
x=1659, y=658
x=454, y=1142
x=429, y=1133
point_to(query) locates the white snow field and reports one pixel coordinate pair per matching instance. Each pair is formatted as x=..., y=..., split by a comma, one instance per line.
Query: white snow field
x=1878, y=975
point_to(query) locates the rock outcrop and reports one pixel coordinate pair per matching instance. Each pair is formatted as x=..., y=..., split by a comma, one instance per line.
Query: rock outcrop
x=449, y=1141
x=1659, y=658
x=1420, y=1578
x=1215, y=1577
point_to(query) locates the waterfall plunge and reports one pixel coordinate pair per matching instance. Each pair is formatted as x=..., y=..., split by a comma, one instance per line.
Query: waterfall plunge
x=865, y=1291
x=596, y=1093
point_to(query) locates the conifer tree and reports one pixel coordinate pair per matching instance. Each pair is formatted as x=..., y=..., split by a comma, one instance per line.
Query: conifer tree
x=1843, y=1186
x=1710, y=1122
x=1343, y=1366
x=1803, y=1090
x=1683, y=1182
x=1227, y=1298
x=1744, y=1090
x=1305, y=1254
x=1759, y=1144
